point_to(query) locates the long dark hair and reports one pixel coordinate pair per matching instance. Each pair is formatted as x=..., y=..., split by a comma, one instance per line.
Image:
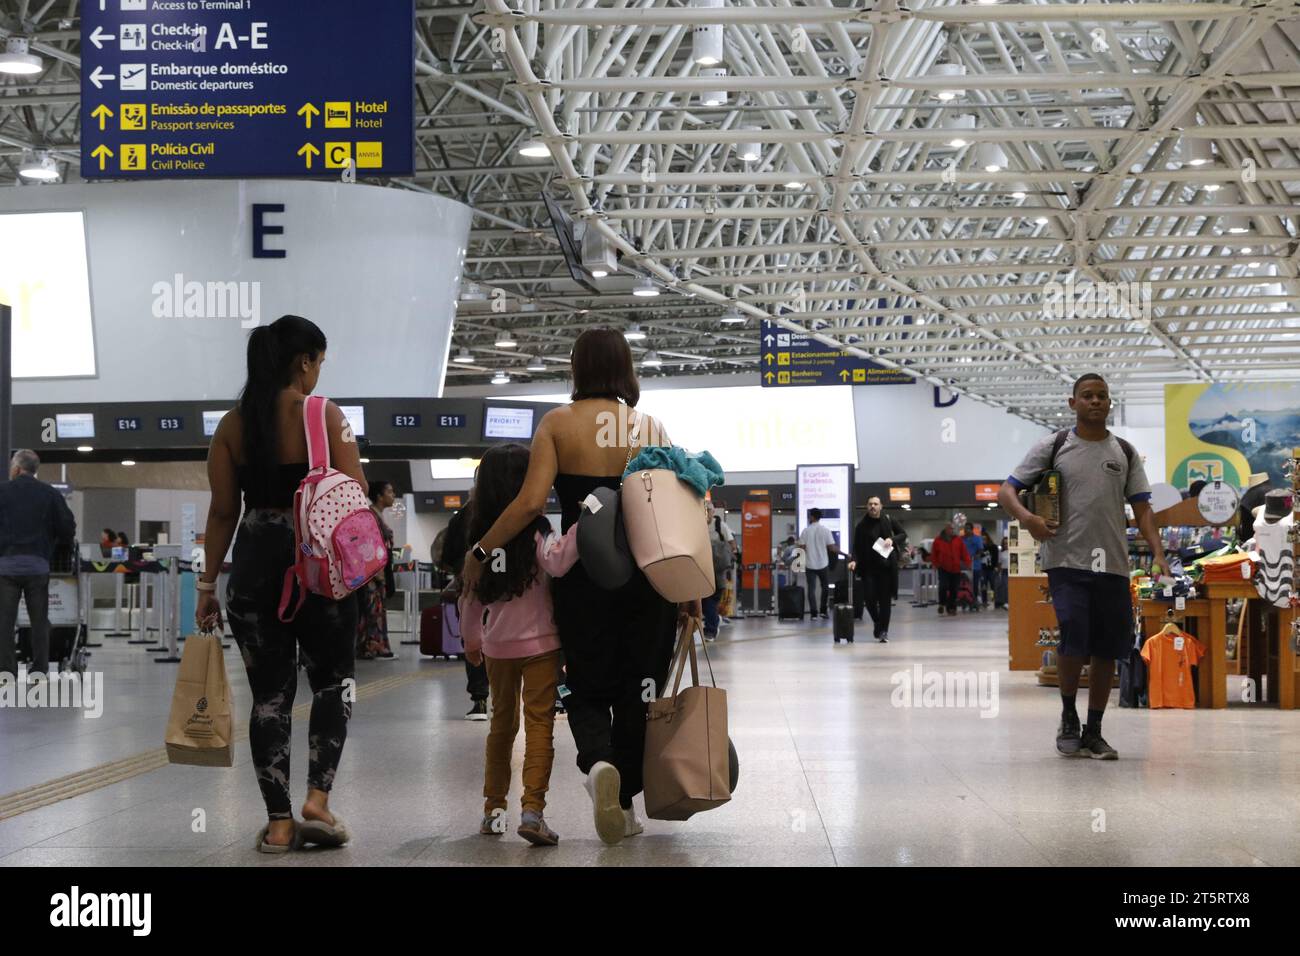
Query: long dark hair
x=272, y=350
x=603, y=367
x=499, y=478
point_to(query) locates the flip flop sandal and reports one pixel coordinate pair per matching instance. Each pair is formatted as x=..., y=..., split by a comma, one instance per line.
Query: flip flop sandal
x=322, y=834
x=276, y=848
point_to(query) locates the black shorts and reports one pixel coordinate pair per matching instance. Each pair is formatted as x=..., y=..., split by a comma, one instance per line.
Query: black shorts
x=1094, y=611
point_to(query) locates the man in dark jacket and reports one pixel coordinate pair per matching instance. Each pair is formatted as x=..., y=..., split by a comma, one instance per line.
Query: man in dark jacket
x=35, y=524
x=878, y=573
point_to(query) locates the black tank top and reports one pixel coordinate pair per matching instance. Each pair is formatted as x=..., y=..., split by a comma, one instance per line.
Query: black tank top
x=263, y=491
x=572, y=489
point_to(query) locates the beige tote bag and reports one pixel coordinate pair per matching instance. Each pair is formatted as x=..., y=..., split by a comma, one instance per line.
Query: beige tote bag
x=668, y=532
x=687, y=765
x=199, y=729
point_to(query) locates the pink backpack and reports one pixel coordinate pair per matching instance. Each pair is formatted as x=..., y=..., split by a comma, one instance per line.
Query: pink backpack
x=338, y=546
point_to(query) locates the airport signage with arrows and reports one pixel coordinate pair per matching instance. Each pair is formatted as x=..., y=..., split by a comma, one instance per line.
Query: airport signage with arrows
x=213, y=88
x=791, y=359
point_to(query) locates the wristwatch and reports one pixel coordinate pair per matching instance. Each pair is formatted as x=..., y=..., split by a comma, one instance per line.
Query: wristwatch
x=479, y=553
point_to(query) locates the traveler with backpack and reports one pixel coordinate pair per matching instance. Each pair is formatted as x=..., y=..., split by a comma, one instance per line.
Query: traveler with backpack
x=723, y=561
x=1085, y=554
x=262, y=449
x=613, y=640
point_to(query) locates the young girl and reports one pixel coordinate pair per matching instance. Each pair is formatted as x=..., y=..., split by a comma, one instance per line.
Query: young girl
x=507, y=618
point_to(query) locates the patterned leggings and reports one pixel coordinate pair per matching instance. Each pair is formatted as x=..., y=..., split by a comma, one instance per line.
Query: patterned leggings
x=320, y=638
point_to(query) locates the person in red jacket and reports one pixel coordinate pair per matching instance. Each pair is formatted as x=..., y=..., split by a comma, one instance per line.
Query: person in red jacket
x=949, y=555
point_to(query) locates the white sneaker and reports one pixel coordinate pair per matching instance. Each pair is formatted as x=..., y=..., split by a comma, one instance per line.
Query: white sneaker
x=603, y=784
x=632, y=824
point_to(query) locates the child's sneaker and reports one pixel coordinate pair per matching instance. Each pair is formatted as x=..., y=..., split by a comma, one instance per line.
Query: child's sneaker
x=534, y=829
x=494, y=824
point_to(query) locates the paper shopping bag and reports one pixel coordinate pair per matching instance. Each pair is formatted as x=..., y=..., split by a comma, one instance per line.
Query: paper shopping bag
x=199, y=730
x=687, y=765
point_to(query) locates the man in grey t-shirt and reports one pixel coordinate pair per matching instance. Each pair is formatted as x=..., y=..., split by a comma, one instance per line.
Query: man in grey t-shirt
x=1086, y=554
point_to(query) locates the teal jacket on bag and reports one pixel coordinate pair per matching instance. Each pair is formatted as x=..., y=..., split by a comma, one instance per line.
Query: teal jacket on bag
x=700, y=470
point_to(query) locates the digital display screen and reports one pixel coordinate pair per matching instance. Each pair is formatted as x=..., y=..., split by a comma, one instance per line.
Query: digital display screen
x=210, y=422
x=508, y=422
x=75, y=426
x=356, y=416
x=830, y=489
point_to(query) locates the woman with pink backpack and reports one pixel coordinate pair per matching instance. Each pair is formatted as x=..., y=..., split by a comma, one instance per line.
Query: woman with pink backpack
x=276, y=448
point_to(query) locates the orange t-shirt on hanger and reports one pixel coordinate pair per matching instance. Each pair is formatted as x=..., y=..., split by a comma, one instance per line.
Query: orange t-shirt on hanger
x=1169, y=659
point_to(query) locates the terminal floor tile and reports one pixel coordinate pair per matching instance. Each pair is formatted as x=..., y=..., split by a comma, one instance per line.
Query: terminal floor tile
x=842, y=763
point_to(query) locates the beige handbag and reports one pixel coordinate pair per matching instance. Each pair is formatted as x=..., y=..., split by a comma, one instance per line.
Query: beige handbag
x=687, y=765
x=668, y=534
x=199, y=729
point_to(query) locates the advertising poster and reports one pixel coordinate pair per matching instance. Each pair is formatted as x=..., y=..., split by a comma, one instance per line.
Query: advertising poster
x=830, y=488
x=756, y=542
x=1229, y=432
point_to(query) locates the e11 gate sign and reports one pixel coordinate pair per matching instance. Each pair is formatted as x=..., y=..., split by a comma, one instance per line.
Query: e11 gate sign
x=790, y=359
x=246, y=88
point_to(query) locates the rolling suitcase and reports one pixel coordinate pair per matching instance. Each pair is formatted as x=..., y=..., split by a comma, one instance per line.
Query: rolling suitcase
x=842, y=615
x=431, y=631
x=789, y=603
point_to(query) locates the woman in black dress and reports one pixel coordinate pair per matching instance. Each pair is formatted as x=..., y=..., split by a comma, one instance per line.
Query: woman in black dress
x=617, y=644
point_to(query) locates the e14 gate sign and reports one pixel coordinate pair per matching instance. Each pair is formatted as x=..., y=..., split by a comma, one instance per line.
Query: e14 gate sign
x=246, y=88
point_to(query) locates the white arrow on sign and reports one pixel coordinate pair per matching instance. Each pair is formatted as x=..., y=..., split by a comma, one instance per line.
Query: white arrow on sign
x=99, y=35
x=99, y=75
x=767, y=339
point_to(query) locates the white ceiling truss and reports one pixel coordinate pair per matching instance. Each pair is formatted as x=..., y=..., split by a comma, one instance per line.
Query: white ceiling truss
x=897, y=246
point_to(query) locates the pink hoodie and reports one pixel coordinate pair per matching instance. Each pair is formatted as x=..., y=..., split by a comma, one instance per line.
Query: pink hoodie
x=523, y=626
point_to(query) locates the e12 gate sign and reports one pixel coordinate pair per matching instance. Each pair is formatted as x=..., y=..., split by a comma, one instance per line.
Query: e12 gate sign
x=246, y=88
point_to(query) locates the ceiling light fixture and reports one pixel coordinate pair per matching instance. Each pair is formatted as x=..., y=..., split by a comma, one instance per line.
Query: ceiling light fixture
x=959, y=124
x=733, y=316
x=652, y=360
x=464, y=357
x=750, y=152
x=536, y=364
x=713, y=97
x=85, y=449
x=1041, y=220
x=1197, y=152
x=599, y=256
x=16, y=60
x=500, y=378
x=707, y=39
x=951, y=71
x=41, y=167
x=633, y=333
x=128, y=463
x=505, y=340
x=990, y=157
x=646, y=288
x=534, y=149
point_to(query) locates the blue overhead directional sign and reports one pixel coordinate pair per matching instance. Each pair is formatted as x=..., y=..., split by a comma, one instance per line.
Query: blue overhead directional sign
x=790, y=359
x=244, y=88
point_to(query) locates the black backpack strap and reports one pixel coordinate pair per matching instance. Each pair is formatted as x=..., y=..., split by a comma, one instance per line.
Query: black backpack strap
x=1129, y=451
x=1057, y=444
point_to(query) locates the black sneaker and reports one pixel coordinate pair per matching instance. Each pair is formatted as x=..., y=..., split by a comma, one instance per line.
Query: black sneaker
x=1095, y=746
x=1069, y=742
x=883, y=637
x=478, y=711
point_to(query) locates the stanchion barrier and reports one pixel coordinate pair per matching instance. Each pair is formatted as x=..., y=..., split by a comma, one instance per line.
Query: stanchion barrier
x=120, y=628
x=755, y=610
x=409, y=576
x=169, y=616
x=927, y=587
